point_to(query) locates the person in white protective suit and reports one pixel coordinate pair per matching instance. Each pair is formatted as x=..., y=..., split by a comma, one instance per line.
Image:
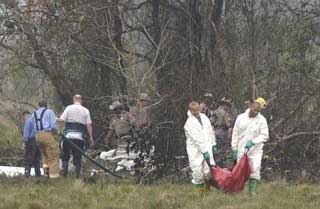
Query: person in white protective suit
x=249, y=133
x=200, y=143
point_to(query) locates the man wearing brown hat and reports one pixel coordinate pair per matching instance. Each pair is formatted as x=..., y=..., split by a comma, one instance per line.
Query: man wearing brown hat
x=120, y=126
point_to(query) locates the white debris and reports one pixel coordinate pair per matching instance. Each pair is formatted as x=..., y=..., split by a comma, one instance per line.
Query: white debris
x=107, y=155
x=11, y=171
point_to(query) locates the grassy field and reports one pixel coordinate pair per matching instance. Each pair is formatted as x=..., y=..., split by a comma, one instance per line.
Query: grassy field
x=66, y=194
x=103, y=193
x=10, y=145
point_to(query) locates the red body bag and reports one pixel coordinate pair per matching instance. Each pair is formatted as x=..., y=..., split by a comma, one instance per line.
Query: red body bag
x=232, y=180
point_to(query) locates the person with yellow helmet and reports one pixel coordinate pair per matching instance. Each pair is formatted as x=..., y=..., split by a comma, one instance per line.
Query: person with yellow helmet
x=249, y=134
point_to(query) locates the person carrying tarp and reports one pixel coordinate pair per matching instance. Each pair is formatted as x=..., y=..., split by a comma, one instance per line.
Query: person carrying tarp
x=200, y=143
x=32, y=153
x=45, y=129
x=249, y=133
x=78, y=125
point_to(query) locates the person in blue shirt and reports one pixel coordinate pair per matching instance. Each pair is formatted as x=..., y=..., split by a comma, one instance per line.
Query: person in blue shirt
x=32, y=153
x=45, y=129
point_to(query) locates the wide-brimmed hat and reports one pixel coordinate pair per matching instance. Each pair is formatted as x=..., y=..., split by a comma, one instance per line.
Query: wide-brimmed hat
x=207, y=95
x=144, y=97
x=225, y=101
x=115, y=105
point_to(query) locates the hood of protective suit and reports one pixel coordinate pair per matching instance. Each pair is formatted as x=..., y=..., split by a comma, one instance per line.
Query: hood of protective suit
x=200, y=134
x=248, y=110
x=256, y=130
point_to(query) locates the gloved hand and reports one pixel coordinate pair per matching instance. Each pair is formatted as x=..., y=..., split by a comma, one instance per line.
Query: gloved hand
x=214, y=150
x=206, y=156
x=234, y=154
x=249, y=144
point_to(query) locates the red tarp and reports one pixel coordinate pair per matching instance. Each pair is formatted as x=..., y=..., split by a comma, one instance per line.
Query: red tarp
x=232, y=180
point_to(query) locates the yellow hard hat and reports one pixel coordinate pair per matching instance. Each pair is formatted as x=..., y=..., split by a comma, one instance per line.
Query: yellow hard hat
x=262, y=102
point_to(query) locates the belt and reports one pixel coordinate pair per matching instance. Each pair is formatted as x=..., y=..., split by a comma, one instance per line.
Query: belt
x=48, y=131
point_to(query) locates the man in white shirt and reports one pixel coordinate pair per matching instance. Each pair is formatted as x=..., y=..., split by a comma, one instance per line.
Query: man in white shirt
x=201, y=143
x=249, y=134
x=78, y=124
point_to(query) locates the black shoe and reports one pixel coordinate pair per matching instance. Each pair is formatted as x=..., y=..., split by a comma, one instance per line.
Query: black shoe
x=37, y=171
x=27, y=170
x=77, y=170
x=64, y=170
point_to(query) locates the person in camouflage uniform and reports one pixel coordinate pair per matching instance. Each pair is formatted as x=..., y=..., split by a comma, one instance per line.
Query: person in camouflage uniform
x=222, y=123
x=120, y=126
x=208, y=106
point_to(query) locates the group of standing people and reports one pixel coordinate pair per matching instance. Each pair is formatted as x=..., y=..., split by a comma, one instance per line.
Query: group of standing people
x=40, y=138
x=124, y=118
x=40, y=134
x=209, y=127
x=208, y=130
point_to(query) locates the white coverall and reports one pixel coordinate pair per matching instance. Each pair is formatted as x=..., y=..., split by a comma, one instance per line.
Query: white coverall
x=255, y=129
x=200, y=139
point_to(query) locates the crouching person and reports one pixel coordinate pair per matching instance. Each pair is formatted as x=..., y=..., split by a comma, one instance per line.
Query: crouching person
x=32, y=153
x=77, y=125
x=200, y=144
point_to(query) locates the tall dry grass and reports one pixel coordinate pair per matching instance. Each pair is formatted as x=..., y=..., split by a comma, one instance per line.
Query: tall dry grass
x=10, y=138
x=106, y=194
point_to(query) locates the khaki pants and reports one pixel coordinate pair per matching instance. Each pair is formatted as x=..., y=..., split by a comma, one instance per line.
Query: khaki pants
x=49, y=148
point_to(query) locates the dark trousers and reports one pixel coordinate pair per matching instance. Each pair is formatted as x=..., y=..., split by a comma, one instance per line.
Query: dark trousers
x=32, y=157
x=223, y=144
x=67, y=149
x=32, y=154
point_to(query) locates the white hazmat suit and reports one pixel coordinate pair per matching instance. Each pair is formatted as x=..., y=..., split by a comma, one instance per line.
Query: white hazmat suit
x=255, y=129
x=200, y=139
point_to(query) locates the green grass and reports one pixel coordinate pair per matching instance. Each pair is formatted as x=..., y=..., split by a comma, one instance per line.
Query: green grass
x=59, y=194
x=103, y=193
x=10, y=138
x=10, y=146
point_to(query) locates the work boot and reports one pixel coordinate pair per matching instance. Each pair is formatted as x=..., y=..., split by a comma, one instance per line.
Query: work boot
x=27, y=170
x=252, y=187
x=37, y=171
x=64, y=170
x=77, y=170
x=46, y=171
x=202, y=187
x=198, y=186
